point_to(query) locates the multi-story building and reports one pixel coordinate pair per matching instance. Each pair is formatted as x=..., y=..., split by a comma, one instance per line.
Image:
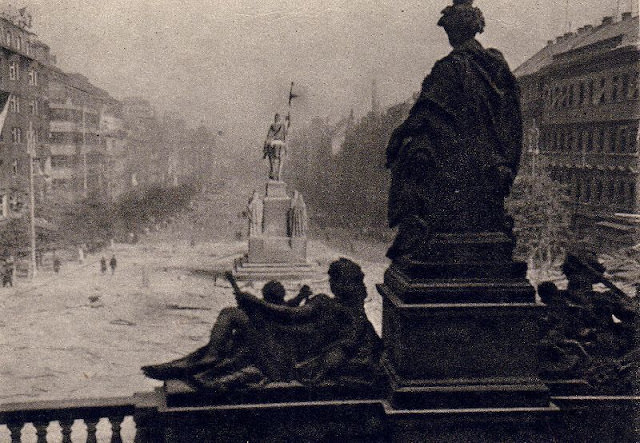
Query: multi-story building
x=147, y=164
x=581, y=106
x=86, y=138
x=24, y=61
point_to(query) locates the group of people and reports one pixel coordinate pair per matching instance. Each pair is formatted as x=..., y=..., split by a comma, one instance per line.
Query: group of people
x=589, y=334
x=312, y=339
x=113, y=263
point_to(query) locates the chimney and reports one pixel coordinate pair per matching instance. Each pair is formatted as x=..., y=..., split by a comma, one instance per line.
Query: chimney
x=560, y=39
x=549, y=42
x=588, y=28
x=626, y=15
x=607, y=20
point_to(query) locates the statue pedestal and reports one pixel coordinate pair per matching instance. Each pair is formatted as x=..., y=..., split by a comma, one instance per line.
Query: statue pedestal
x=461, y=331
x=274, y=252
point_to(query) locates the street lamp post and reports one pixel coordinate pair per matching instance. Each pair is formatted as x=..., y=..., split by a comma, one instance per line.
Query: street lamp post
x=32, y=201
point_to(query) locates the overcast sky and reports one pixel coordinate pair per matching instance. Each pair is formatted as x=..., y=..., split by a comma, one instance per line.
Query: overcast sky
x=229, y=62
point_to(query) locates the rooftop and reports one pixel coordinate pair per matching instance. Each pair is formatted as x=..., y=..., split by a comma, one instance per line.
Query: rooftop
x=606, y=36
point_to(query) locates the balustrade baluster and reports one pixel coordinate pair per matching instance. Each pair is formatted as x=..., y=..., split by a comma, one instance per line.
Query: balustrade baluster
x=116, y=426
x=66, y=430
x=16, y=431
x=41, y=430
x=91, y=429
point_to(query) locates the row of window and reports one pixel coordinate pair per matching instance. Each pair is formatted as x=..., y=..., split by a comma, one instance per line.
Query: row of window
x=613, y=88
x=75, y=138
x=14, y=39
x=18, y=136
x=74, y=115
x=618, y=138
x=15, y=73
x=600, y=190
x=14, y=105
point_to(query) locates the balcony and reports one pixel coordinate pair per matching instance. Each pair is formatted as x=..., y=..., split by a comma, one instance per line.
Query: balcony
x=62, y=149
x=593, y=160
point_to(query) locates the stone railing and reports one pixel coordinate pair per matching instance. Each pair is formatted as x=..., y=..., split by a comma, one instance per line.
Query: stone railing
x=101, y=417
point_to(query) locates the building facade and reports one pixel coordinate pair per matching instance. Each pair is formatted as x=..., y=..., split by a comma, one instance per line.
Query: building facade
x=581, y=108
x=24, y=62
x=86, y=139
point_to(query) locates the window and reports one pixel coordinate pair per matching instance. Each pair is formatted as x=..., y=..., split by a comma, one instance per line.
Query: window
x=59, y=161
x=590, y=92
x=598, y=193
x=633, y=87
x=614, y=88
x=625, y=85
x=14, y=166
x=19, y=42
x=581, y=94
x=16, y=135
x=600, y=96
x=14, y=71
x=564, y=96
x=59, y=183
x=622, y=139
x=33, y=106
x=631, y=194
x=589, y=140
x=570, y=140
x=612, y=143
x=633, y=139
x=601, y=139
x=9, y=41
x=587, y=192
x=33, y=77
x=611, y=192
x=14, y=104
x=570, y=98
x=556, y=98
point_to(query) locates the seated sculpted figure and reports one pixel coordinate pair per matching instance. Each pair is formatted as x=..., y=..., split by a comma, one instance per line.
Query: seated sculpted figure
x=236, y=353
x=333, y=340
x=327, y=340
x=589, y=334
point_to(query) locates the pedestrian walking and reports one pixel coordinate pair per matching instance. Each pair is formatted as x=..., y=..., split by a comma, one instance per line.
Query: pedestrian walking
x=9, y=272
x=103, y=265
x=113, y=263
x=56, y=264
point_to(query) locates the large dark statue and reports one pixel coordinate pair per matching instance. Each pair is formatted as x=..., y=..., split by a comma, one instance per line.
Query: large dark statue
x=262, y=340
x=455, y=157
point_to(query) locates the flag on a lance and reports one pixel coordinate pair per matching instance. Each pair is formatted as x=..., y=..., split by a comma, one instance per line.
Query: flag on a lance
x=4, y=107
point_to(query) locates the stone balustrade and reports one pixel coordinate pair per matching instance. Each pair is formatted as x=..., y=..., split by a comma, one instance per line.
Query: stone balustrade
x=21, y=418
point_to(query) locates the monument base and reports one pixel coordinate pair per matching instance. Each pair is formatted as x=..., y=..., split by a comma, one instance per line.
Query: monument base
x=244, y=270
x=282, y=414
x=461, y=332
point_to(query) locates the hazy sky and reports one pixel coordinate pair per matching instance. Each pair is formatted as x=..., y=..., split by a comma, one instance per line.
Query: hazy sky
x=229, y=62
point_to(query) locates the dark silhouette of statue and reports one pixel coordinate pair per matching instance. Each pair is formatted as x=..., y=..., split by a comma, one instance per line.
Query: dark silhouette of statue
x=327, y=340
x=454, y=159
x=589, y=334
